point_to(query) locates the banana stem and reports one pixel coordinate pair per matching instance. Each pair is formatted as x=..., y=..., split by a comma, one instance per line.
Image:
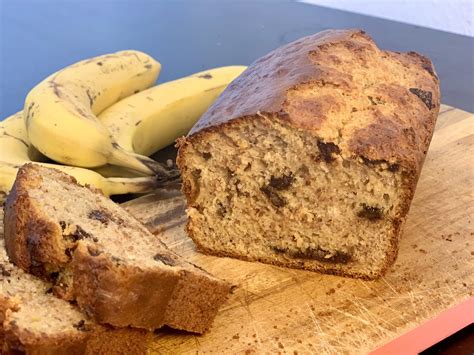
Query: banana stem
x=139, y=162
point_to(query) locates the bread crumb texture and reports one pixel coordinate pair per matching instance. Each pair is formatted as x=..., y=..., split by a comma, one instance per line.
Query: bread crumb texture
x=310, y=158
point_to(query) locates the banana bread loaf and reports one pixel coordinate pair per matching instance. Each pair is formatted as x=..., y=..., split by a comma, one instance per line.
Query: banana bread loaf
x=97, y=254
x=33, y=321
x=310, y=158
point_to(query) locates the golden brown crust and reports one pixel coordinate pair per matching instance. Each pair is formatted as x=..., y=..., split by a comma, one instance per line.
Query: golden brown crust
x=108, y=291
x=378, y=107
x=264, y=85
x=185, y=294
x=25, y=228
x=124, y=341
x=390, y=123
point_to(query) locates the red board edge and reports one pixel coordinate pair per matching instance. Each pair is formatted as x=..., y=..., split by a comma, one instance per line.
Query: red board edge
x=431, y=332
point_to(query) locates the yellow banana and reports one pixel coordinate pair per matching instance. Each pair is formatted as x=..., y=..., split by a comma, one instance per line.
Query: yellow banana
x=15, y=150
x=117, y=171
x=152, y=119
x=60, y=112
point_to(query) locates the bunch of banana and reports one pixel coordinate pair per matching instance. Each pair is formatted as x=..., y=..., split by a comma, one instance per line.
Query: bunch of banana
x=152, y=119
x=101, y=113
x=60, y=112
x=16, y=150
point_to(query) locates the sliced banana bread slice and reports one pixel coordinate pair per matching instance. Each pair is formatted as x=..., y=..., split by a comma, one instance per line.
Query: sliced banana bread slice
x=33, y=321
x=310, y=158
x=97, y=254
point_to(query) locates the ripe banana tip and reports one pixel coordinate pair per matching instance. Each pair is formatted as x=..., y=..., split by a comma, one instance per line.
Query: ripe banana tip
x=164, y=171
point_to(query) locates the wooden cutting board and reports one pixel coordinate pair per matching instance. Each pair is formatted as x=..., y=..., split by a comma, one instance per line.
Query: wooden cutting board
x=276, y=309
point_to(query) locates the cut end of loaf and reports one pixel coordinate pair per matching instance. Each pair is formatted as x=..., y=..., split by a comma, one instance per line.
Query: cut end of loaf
x=32, y=318
x=310, y=158
x=261, y=190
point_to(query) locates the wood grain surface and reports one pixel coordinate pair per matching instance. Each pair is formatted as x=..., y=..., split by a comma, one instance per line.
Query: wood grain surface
x=279, y=310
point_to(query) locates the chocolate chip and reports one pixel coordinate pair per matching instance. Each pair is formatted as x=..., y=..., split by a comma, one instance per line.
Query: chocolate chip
x=371, y=213
x=273, y=196
x=278, y=250
x=63, y=225
x=4, y=271
x=327, y=150
x=425, y=96
x=390, y=167
x=325, y=256
x=196, y=173
x=206, y=155
x=282, y=182
x=117, y=260
x=277, y=184
x=393, y=168
x=79, y=234
x=53, y=276
x=319, y=254
x=49, y=290
x=165, y=259
x=221, y=210
x=375, y=100
x=99, y=215
x=81, y=325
